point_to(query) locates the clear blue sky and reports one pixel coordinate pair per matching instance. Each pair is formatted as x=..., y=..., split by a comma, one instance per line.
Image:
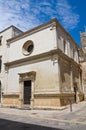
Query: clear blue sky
x=27, y=14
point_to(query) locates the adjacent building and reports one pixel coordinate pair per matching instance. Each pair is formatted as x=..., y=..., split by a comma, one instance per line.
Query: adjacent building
x=39, y=68
x=83, y=60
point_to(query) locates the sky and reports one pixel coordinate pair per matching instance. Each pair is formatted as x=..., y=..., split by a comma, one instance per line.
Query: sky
x=27, y=14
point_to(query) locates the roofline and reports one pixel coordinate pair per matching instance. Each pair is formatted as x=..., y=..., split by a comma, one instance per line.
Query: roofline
x=17, y=28
x=12, y=26
x=33, y=30
x=40, y=27
x=69, y=35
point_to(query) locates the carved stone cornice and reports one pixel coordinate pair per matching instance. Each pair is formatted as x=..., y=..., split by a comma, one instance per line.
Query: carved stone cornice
x=45, y=55
x=67, y=94
x=32, y=31
x=27, y=76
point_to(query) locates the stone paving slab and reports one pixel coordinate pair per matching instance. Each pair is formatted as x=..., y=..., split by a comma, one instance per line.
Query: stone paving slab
x=78, y=114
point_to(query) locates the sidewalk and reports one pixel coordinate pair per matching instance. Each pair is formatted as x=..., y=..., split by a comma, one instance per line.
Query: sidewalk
x=77, y=115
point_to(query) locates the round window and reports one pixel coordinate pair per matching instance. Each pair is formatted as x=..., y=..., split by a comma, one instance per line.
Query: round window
x=28, y=47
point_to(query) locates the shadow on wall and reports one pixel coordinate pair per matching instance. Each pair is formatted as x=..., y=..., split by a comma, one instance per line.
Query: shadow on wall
x=65, y=77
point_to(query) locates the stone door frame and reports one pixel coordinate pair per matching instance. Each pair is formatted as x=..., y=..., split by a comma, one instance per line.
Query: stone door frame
x=25, y=77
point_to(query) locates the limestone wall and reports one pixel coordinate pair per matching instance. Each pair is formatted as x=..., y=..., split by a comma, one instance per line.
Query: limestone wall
x=65, y=77
x=43, y=41
x=46, y=75
x=67, y=45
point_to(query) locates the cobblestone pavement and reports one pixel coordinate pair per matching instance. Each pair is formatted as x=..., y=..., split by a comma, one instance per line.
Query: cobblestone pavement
x=76, y=116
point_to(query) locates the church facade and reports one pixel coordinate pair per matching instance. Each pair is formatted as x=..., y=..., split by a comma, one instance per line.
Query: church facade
x=39, y=68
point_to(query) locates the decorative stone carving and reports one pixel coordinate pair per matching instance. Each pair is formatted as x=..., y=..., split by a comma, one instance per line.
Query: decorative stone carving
x=54, y=58
x=27, y=76
x=6, y=69
x=8, y=44
x=53, y=26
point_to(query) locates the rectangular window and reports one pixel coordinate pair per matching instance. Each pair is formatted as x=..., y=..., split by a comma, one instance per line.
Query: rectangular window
x=0, y=63
x=0, y=40
x=0, y=91
x=65, y=47
x=64, y=42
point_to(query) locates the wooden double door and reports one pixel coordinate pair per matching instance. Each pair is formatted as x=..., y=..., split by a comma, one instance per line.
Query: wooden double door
x=27, y=92
x=0, y=91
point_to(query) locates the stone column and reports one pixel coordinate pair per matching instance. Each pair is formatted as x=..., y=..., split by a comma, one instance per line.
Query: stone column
x=32, y=94
x=80, y=77
x=59, y=81
x=21, y=93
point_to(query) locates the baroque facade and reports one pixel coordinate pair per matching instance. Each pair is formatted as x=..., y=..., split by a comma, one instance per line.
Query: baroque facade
x=39, y=68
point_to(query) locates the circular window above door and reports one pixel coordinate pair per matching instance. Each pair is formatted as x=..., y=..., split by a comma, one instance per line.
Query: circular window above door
x=27, y=47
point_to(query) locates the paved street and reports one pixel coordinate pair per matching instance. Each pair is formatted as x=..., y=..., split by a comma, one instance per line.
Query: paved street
x=15, y=122
x=44, y=119
x=12, y=125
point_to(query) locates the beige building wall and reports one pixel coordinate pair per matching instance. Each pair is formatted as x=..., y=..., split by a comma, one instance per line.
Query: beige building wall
x=45, y=82
x=83, y=61
x=3, y=55
x=51, y=69
x=4, y=35
x=43, y=40
x=40, y=61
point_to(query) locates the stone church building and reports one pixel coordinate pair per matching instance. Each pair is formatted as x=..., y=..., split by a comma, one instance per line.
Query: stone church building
x=39, y=68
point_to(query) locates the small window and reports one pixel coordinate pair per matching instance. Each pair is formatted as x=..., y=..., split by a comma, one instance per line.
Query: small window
x=0, y=63
x=73, y=53
x=64, y=42
x=30, y=48
x=27, y=47
x=65, y=47
x=0, y=40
